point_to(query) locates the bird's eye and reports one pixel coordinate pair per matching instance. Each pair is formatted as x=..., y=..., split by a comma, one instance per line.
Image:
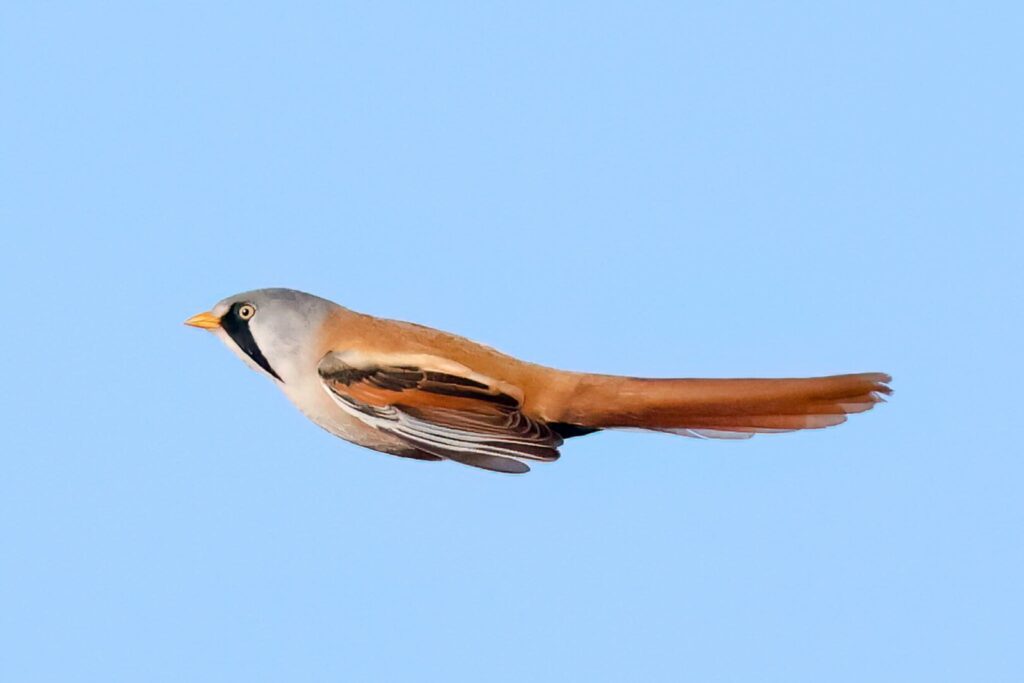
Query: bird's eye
x=246, y=311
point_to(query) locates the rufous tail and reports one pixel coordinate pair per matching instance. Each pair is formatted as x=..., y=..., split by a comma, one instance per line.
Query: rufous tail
x=722, y=408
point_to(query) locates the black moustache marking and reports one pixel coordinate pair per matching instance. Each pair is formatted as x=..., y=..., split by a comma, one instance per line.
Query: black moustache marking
x=240, y=333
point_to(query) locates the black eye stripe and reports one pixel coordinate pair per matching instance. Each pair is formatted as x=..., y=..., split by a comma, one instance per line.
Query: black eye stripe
x=238, y=329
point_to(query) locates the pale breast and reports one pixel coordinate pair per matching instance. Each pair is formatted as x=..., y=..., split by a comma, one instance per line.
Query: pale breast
x=313, y=401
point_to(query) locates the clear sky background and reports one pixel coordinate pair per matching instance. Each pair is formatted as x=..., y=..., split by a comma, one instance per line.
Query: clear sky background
x=774, y=189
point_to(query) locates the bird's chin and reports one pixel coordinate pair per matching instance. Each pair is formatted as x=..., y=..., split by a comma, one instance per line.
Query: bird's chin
x=233, y=347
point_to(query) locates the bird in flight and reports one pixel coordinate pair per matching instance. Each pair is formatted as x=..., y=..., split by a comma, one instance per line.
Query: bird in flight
x=421, y=393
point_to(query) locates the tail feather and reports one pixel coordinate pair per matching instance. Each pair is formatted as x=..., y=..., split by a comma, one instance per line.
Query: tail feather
x=722, y=408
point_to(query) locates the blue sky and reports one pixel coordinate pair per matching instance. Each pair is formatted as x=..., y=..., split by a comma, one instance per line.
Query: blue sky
x=649, y=189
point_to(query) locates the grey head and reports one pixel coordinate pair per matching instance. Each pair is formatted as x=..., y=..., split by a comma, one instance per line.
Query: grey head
x=272, y=330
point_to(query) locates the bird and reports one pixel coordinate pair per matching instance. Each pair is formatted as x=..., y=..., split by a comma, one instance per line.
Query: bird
x=416, y=392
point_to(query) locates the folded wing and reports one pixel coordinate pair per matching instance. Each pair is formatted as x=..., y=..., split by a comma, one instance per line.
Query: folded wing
x=439, y=407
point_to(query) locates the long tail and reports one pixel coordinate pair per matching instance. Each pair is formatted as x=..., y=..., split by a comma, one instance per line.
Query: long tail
x=721, y=408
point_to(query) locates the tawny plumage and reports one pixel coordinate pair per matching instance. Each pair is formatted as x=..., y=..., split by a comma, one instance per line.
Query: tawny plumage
x=417, y=392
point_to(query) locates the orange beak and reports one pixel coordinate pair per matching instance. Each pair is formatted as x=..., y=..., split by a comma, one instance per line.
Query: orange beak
x=206, y=321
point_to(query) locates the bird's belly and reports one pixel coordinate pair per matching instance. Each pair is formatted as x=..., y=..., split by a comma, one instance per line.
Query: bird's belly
x=313, y=402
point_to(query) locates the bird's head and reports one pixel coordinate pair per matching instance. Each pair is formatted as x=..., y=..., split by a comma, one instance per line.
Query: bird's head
x=272, y=330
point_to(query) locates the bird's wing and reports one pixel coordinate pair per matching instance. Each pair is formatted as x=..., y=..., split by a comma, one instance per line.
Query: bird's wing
x=439, y=407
